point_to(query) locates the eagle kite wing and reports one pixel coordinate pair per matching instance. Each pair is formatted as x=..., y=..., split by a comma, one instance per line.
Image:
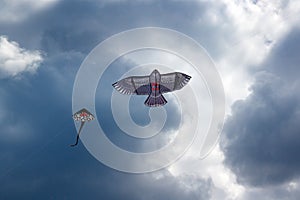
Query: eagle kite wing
x=173, y=81
x=139, y=85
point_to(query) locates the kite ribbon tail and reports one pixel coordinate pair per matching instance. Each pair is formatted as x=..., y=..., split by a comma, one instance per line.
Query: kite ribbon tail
x=77, y=138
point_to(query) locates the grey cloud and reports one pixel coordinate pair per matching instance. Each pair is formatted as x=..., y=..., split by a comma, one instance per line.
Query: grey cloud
x=278, y=192
x=79, y=26
x=96, y=181
x=166, y=186
x=66, y=32
x=261, y=139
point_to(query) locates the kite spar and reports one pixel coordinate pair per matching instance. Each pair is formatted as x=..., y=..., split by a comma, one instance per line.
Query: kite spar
x=82, y=115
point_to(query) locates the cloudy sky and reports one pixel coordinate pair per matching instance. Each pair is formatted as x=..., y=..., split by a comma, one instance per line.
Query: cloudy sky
x=255, y=47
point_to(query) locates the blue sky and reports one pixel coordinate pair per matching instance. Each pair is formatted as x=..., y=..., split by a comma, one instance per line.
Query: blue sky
x=254, y=45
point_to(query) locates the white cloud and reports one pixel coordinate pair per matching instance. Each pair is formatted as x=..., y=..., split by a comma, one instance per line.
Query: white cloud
x=17, y=10
x=288, y=191
x=212, y=167
x=250, y=30
x=14, y=60
x=255, y=29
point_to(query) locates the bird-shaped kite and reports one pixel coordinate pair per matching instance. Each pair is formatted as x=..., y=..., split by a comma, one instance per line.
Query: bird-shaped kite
x=82, y=115
x=154, y=86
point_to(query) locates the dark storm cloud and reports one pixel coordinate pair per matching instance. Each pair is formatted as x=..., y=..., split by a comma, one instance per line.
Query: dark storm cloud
x=37, y=160
x=94, y=181
x=37, y=128
x=261, y=139
x=79, y=26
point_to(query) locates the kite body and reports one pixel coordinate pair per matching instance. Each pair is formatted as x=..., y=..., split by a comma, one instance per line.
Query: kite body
x=82, y=115
x=153, y=85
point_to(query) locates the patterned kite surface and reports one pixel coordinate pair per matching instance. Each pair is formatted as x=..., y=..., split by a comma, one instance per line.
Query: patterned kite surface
x=153, y=85
x=82, y=115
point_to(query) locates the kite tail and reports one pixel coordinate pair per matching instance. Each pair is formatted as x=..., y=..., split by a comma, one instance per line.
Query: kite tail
x=77, y=138
x=155, y=101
